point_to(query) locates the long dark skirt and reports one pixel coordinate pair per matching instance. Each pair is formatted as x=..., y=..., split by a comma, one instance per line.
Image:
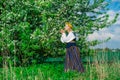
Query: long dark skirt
x=72, y=58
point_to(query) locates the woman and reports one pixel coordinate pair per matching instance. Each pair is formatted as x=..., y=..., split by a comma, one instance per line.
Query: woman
x=72, y=58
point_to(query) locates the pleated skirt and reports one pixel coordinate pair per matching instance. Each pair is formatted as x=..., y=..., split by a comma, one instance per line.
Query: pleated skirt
x=72, y=58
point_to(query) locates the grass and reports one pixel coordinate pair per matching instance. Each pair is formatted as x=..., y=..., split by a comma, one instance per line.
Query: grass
x=55, y=71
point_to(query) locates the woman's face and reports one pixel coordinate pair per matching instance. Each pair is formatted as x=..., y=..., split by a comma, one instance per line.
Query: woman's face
x=67, y=27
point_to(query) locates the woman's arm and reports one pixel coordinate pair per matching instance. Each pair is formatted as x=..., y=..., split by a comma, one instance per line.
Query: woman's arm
x=62, y=37
x=68, y=38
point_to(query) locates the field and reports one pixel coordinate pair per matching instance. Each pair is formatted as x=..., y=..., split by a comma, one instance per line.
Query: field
x=54, y=70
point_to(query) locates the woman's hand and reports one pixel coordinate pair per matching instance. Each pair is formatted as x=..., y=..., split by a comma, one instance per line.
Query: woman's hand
x=62, y=31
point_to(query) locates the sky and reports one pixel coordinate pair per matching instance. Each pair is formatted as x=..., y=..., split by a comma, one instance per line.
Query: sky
x=112, y=31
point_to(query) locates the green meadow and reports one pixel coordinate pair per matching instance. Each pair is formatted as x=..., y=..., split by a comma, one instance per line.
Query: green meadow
x=53, y=69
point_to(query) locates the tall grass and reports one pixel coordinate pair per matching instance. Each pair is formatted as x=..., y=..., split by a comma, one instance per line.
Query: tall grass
x=98, y=70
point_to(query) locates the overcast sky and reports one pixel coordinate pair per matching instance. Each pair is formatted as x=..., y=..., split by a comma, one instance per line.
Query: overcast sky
x=113, y=31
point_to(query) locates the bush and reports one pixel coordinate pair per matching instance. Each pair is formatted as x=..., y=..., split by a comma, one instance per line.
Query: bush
x=29, y=29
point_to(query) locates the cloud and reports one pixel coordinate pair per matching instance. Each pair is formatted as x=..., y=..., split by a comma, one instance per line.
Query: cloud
x=118, y=20
x=109, y=44
x=112, y=15
x=112, y=31
x=90, y=14
x=116, y=33
x=100, y=35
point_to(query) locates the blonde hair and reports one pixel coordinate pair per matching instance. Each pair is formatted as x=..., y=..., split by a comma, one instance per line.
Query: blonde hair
x=69, y=24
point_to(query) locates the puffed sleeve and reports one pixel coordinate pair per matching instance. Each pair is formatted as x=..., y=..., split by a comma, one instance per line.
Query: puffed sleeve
x=68, y=38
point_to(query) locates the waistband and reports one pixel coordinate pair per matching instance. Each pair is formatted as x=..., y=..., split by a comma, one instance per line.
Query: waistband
x=70, y=44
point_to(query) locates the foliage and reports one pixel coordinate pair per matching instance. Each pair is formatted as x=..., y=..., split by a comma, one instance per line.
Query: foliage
x=29, y=29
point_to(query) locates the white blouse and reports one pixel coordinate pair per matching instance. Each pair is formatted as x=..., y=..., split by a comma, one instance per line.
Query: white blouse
x=68, y=38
